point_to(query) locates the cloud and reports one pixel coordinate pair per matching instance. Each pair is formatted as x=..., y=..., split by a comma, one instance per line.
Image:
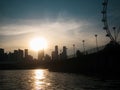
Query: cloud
x=12, y=30
x=63, y=31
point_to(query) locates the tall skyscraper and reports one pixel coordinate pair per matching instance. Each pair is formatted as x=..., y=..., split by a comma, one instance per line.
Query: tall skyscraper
x=41, y=54
x=26, y=53
x=56, y=52
x=55, y=55
x=63, y=55
x=20, y=54
x=64, y=52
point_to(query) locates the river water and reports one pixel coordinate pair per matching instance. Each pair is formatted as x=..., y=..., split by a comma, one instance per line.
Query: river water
x=42, y=79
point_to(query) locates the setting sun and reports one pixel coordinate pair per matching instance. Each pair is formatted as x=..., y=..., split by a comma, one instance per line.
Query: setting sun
x=37, y=44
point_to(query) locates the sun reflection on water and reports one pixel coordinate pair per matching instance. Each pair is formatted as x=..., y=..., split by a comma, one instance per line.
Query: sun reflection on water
x=39, y=82
x=39, y=74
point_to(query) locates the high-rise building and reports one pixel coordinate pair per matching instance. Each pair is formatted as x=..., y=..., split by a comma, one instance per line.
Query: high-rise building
x=64, y=52
x=56, y=52
x=63, y=55
x=1, y=54
x=41, y=55
x=47, y=57
x=53, y=55
x=1, y=51
x=20, y=54
x=56, y=49
x=26, y=53
x=15, y=52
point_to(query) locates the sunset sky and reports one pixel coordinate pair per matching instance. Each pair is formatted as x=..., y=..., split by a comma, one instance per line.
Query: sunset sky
x=61, y=22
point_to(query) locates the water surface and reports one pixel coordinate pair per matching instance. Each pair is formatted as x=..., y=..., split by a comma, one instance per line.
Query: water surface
x=41, y=79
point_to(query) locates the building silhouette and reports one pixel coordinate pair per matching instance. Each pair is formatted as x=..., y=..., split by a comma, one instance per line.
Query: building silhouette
x=41, y=54
x=1, y=51
x=47, y=57
x=26, y=53
x=2, y=55
x=18, y=55
x=55, y=53
x=63, y=55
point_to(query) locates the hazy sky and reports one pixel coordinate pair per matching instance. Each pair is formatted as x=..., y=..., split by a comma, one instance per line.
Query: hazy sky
x=61, y=22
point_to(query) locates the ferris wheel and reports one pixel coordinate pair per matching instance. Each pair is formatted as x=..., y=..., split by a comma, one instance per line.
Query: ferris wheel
x=113, y=37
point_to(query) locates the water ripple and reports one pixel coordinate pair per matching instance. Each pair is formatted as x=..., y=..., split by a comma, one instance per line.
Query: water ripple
x=41, y=79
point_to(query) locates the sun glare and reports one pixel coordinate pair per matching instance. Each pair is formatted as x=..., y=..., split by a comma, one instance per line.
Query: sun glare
x=37, y=44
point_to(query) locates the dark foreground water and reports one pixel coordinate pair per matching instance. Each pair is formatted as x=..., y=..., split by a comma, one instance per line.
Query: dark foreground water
x=41, y=79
